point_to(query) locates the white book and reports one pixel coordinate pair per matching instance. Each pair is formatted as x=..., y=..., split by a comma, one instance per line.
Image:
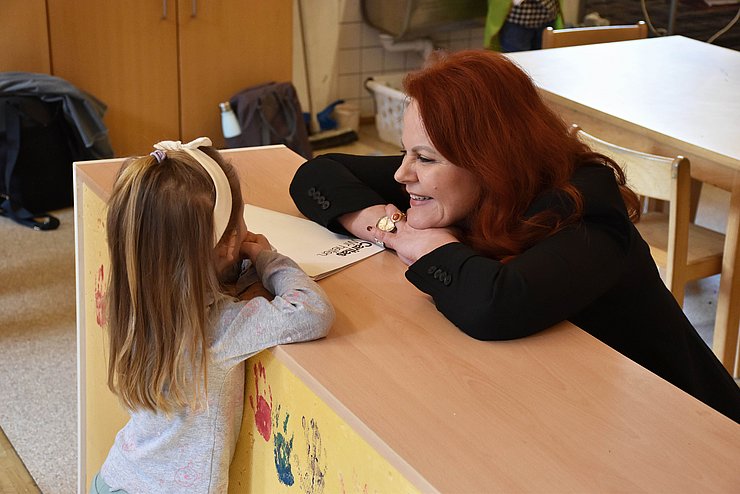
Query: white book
x=318, y=251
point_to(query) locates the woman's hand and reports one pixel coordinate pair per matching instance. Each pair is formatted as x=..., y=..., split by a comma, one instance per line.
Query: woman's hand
x=253, y=244
x=357, y=222
x=409, y=243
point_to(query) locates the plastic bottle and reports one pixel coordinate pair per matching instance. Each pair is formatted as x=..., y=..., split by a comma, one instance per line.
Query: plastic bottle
x=229, y=124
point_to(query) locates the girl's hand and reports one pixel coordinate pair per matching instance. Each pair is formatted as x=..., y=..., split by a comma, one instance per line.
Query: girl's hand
x=256, y=290
x=409, y=243
x=253, y=244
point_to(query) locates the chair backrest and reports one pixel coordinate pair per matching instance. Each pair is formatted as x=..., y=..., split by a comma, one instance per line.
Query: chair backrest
x=557, y=38
x=657, y=177
x=649, y=175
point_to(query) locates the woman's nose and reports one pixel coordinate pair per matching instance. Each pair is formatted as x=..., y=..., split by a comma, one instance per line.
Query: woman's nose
x=404, y=174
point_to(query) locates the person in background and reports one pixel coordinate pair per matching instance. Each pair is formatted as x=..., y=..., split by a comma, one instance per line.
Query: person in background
x=178, y=339
x=510, y=223
x=516, y=25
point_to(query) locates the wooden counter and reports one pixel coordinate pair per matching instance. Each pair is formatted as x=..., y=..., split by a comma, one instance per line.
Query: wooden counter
x=397, y=399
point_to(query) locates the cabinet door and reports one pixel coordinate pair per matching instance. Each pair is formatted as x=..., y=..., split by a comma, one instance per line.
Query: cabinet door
x=24, y=39
x=225, y=46
x=125, y=54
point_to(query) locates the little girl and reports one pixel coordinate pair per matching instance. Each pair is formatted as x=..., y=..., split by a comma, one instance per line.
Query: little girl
x=178, y=342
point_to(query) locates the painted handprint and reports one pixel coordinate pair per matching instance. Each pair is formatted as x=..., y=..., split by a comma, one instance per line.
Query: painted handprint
x=259, y=403
x=355, y=487
x=100, y=297
x=312, y=479
x=283, y=448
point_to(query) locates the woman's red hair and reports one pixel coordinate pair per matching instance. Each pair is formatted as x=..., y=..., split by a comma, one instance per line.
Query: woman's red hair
x=483, y=113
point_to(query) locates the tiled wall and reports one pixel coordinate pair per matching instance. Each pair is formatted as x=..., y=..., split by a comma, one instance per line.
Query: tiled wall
x=361, y=55
x=349, y=51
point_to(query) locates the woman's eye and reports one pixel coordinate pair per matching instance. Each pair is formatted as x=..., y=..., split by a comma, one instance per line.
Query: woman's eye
x=417, y=157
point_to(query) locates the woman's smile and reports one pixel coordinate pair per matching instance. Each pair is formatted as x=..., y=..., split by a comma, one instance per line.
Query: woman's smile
x=417, y=198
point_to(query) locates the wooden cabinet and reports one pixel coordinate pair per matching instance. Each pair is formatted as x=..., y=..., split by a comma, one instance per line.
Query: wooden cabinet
x=163, y=66
x=24, y=39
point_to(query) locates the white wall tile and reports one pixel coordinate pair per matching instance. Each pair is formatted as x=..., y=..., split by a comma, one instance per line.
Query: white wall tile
x=476, y=37
x=370, y=36
x=349, y=86
x=440, y=41
x=442, y=45
x=350, y=35
x=459, y=44
x=350, y=11
x=367, y=107
x=413, y=60
x=459, y=34
x=372, y=59
x=349, y=61
x=394, y=61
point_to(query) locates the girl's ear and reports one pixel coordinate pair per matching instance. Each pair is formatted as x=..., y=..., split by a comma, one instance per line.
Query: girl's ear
x=233, y=249
x=228, y=251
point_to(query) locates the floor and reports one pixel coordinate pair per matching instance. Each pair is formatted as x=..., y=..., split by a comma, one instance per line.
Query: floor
x=14, y=476
x=694, y=18
x=367, y=144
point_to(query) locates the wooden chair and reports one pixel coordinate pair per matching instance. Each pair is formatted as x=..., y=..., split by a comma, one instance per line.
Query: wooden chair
x=684, y=251
x=557, y=38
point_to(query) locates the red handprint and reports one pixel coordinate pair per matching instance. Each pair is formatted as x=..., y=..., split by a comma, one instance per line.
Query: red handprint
x=262, y=409
x=100, y=297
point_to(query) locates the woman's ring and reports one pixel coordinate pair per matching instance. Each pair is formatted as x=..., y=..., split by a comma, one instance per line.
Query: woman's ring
x=378, y=242
x=388, y=223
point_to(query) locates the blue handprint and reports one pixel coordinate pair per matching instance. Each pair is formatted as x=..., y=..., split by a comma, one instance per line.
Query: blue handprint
x=282, y=449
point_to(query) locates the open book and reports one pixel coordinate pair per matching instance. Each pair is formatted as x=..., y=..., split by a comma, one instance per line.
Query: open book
x=315, y=249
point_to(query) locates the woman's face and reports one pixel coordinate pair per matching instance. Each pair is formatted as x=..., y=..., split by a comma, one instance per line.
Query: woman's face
x=442, y=194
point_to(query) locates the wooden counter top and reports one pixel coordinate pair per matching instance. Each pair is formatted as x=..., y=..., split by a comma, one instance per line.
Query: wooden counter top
x=557, y=411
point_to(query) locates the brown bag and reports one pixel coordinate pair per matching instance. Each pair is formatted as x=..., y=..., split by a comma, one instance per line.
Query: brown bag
x=270, y=114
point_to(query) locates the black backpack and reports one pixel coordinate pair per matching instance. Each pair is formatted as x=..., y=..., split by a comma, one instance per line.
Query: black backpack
x=37, y=149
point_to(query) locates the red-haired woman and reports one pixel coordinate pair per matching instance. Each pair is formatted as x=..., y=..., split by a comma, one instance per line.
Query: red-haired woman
x=510, y=223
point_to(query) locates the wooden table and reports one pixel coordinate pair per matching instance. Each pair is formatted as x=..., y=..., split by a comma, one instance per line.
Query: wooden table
x=397, y=399
x=670, y=95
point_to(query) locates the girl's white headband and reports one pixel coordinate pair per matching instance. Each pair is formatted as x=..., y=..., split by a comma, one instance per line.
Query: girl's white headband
x=222, y=208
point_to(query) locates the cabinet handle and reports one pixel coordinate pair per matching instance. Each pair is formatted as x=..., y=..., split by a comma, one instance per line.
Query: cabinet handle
x=164, y=9
x=194, y=8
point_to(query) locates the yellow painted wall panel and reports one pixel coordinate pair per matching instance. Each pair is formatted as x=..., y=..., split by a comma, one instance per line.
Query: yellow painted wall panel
x=292, y=442
x=104, y=416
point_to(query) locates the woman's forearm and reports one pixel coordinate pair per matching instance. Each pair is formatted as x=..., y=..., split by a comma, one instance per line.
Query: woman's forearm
x=330, y=187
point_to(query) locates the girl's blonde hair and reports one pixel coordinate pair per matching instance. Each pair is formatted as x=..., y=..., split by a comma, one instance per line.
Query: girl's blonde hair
x=163, y=278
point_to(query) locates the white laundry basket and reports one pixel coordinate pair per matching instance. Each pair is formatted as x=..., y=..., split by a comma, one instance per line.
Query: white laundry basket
x=390, y=101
